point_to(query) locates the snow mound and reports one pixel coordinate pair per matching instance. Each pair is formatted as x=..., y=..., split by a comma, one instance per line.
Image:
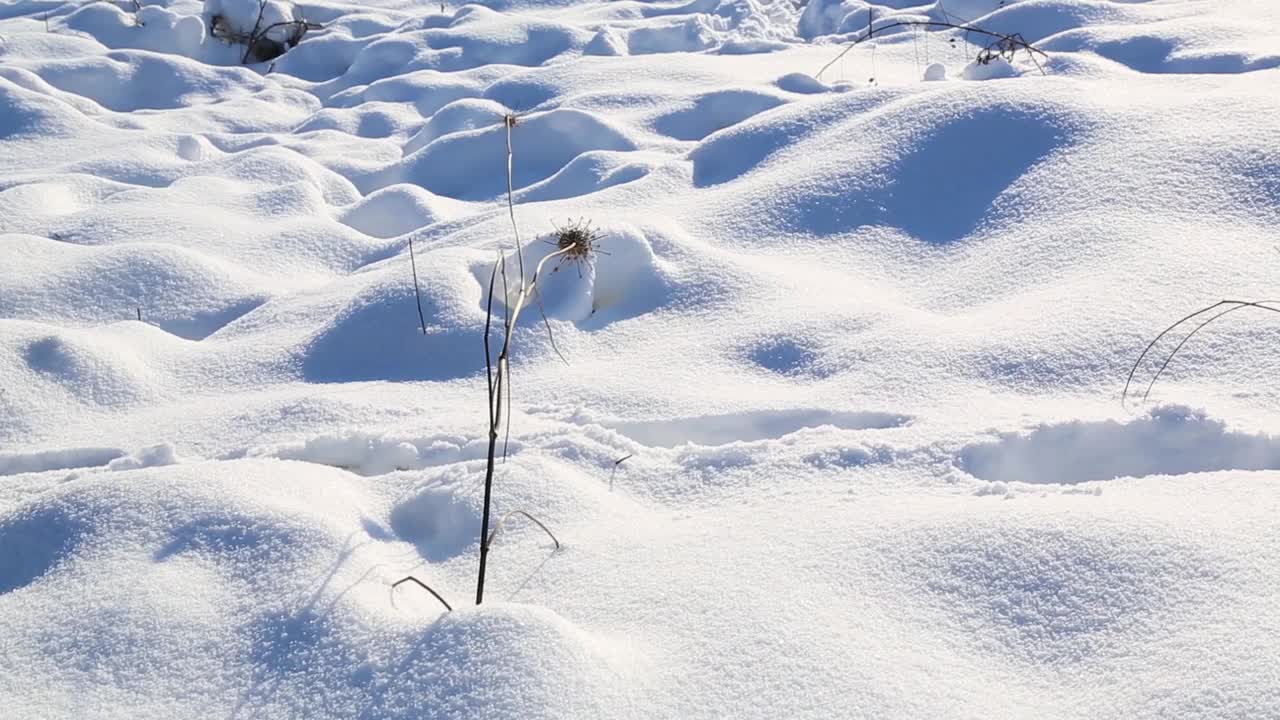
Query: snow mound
x=394, y=211
x=375, y=334
x=512, y=660
x=179, y=290
x=966, y=143
x=544, y=142
x=1052, y=594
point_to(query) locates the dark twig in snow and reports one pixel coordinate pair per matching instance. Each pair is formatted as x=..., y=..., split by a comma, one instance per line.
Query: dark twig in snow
x=413, y=264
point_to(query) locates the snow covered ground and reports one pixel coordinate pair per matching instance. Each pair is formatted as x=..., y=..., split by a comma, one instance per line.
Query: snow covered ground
x=863, y=337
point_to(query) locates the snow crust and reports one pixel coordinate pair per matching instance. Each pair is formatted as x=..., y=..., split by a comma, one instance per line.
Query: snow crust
x=860, y=336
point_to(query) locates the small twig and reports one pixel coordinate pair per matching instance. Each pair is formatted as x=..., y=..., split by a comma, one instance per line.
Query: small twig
x=1234, y=305
x=614, y=471
x=413, y=264
x=1013, y=40
x=493, y=535
x=424, y=586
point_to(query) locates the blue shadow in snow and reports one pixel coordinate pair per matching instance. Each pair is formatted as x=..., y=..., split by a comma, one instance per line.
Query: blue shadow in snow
x=943, y=187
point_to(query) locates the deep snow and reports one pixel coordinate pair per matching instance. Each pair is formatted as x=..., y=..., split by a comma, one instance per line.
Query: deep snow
x=860, y=337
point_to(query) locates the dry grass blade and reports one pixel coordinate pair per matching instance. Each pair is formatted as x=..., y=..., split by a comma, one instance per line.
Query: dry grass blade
x=424, y=586
x=1231, y=306
x=503, y=521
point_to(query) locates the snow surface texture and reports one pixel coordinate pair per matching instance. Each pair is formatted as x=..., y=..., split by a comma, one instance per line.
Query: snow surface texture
x=861, y=336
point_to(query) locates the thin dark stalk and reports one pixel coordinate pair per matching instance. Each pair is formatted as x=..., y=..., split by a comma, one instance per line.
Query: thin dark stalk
x=424, y=586
x=1012, y=40
x=416, y=292
x=1235, y=305
x=495, y=395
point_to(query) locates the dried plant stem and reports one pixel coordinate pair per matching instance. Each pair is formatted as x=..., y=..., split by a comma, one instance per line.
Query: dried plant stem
x=417, y=294
x=503, y=521
x=1230, y=307
x=424, y=586
x=510, y=122
x=497, y=382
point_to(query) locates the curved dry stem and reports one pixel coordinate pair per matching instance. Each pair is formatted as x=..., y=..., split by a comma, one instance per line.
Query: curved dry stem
x=1014, y=40
x=1234, y=305
x=536, y=521
x=426, y=587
